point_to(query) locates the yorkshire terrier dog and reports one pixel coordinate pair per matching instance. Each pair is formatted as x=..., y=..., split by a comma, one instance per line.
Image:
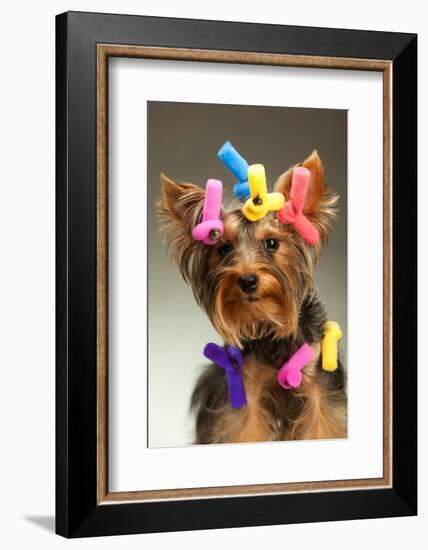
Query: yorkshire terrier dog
x=256, y=286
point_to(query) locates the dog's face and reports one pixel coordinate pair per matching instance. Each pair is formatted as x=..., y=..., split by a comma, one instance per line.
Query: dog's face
x=253, y=281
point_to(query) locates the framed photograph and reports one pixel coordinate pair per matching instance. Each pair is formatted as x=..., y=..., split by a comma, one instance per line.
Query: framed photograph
x=236, y=274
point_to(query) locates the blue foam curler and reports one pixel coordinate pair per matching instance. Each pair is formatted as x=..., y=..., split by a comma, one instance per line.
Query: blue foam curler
x=239, y=167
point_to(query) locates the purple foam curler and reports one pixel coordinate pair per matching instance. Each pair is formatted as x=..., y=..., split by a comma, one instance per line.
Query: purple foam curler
x=210, y=229
x=230, y=360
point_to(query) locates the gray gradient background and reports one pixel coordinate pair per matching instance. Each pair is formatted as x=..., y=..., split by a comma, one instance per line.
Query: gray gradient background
x=183, y=140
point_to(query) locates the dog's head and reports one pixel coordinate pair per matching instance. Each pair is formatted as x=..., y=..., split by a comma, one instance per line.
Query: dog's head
x=253, y=282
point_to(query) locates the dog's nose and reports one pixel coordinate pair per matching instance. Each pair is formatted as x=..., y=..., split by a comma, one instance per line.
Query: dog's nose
x=248, y=283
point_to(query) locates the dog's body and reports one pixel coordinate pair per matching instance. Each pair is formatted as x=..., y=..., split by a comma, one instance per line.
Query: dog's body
x=256, y=286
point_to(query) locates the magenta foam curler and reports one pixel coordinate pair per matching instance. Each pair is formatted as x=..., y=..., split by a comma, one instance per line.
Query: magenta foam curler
x=290, y=374
x=210, y=229
x=292, y=213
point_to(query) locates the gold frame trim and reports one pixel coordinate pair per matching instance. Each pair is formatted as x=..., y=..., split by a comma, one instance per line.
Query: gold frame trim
x=104, y=51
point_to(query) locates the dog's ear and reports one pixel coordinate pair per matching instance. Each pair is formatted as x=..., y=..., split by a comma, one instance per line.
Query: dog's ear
x=179, y=210
x=316, y=186
x=181, y=200
x=320, y=200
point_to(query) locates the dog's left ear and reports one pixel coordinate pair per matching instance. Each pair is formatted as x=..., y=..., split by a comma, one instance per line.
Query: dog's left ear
x=320, y=200
x=179, y=209
x=182, y=202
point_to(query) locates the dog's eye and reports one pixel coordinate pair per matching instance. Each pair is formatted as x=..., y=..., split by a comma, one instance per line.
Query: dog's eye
x=271, y=245
x=224, y=249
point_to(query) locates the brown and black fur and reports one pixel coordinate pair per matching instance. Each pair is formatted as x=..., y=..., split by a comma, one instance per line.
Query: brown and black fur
x=269, y=324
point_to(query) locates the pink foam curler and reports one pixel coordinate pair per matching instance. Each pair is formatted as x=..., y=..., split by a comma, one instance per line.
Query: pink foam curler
x=292, y=213
x=210, y=229
x=290, y=374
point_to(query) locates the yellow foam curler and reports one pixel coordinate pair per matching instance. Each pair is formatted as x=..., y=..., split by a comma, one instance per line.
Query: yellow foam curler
x=332, y=334
x=261, y=202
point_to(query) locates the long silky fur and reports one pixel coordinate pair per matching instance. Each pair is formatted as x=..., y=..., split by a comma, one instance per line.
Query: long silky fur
x=316, y=410
x=268, y=332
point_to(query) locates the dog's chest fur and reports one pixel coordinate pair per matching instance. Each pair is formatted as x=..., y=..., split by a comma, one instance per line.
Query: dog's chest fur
x=269, y=408
x=253, y=422
x=272, y=413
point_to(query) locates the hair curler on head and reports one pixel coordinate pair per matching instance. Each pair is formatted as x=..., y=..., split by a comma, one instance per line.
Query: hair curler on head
x=210, y=229
x=292, y=213
x=239, y=167
x=261, y=202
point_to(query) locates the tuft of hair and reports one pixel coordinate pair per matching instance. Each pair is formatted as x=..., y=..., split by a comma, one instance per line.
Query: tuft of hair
x=324, y=404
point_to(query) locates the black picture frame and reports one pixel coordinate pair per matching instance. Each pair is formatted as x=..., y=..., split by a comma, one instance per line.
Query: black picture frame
x=77, y=511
